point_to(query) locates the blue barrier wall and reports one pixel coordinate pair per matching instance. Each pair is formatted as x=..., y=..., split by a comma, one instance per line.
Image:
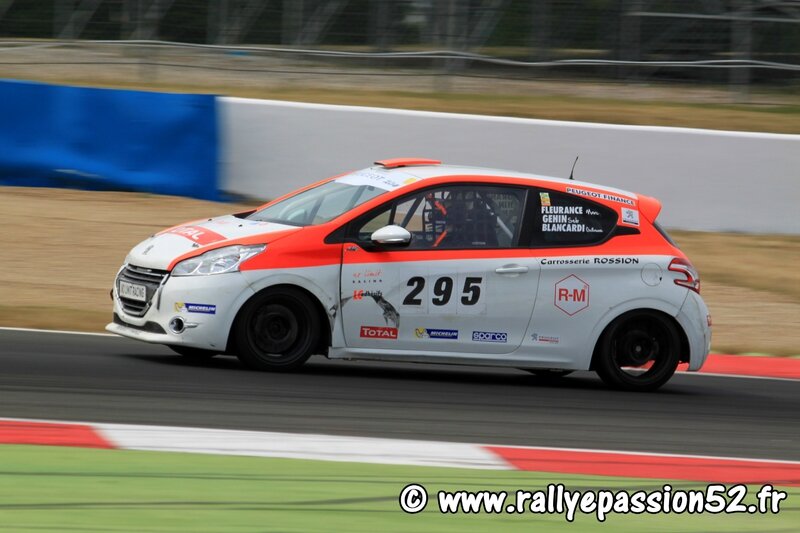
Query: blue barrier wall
x=107, y=139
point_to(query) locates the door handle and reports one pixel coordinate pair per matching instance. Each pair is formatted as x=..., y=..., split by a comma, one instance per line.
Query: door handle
x=511, y=269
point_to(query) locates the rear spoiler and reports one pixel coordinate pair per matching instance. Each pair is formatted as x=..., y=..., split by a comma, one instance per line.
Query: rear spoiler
x=649, y=207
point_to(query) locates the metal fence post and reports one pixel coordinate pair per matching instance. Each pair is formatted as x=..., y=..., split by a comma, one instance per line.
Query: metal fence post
x=540, y=30
x=741, y=46
x=292, y=21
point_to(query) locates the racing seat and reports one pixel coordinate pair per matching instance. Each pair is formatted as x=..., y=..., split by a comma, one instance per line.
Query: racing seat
x=468, y=223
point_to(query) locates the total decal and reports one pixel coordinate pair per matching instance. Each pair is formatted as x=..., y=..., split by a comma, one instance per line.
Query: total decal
x=489, y=336
x=197, y=234
x=571, y=295
x=378, y=332
x=186, y=307
x=432, y=333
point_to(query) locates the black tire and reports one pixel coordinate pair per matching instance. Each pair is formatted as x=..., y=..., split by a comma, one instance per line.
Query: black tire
x=277, y=330
x=631, y=343
x=548, y=373
x=195, y=354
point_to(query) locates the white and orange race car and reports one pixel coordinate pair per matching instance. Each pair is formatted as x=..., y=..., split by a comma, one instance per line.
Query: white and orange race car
x=411, y=260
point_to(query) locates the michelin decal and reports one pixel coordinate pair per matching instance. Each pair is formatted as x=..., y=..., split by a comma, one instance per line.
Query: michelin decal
x=186, y=307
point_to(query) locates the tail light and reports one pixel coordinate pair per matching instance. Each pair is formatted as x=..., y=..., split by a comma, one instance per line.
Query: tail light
x=685, y=267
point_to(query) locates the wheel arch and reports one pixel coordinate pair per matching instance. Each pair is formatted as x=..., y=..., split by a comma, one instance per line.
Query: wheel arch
x=664, y=311
x=324, y=317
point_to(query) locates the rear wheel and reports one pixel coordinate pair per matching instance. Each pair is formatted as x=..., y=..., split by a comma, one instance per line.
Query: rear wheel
x=196, y=354
x=277, y=330
x=639, y=351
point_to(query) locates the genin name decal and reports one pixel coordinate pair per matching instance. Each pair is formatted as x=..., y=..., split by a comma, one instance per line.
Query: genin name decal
x=566, y=219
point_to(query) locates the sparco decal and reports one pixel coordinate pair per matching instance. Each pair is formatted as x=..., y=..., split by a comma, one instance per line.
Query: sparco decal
x=489, y=336
x=375, y=332
x=601, y=195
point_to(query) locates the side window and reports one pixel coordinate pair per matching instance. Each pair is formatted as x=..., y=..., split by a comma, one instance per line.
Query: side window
x=562, y=219
x=453, y=217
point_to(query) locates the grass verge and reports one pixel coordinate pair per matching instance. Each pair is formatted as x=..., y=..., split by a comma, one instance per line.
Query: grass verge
x=70, y=489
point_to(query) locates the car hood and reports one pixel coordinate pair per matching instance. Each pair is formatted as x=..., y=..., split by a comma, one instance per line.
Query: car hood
x=159, y=250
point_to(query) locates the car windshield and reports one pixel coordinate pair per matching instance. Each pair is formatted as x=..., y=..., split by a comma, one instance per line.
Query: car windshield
x=317, y=205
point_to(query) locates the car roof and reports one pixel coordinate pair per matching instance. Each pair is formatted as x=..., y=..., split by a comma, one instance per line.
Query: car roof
x=424, y=172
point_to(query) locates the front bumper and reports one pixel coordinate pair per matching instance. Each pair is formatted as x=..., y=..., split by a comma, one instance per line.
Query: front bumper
x=694, y=318
x=207, y=305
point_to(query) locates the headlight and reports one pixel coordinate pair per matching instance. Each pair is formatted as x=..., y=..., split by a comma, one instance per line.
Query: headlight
x=217, y=261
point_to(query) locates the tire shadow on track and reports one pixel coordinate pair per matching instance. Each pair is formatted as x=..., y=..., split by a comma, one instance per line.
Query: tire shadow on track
x=412, y=372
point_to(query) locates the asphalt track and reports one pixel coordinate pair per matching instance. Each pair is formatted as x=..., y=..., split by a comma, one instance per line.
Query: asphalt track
x=107, y=379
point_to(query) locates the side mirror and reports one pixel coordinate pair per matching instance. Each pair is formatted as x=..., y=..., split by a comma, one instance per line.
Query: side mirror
x=391, y=236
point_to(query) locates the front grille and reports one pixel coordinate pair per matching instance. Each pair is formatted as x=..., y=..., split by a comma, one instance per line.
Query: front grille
x=149, y=277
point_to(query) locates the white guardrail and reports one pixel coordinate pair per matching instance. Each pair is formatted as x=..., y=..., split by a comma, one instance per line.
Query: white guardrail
x=707, y=179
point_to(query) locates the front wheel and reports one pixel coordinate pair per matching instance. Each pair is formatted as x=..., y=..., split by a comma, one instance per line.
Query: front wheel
x=639, y=351
x=277, y=330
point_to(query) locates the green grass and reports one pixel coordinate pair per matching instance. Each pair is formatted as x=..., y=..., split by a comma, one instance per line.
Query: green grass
x=69, y=489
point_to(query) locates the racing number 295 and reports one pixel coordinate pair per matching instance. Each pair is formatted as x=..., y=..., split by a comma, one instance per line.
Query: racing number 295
x=443, y=291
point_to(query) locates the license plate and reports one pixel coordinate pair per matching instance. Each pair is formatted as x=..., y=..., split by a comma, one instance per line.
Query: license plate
x=132, y=291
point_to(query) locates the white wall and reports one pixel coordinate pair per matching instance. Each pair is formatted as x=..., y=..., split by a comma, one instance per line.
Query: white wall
x=706, y=179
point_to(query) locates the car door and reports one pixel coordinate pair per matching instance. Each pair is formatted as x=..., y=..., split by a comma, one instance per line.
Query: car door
x=583, y=273
x=461, y=285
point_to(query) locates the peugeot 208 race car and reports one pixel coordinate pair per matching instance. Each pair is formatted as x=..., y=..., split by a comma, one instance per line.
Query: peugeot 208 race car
x=410, y=260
